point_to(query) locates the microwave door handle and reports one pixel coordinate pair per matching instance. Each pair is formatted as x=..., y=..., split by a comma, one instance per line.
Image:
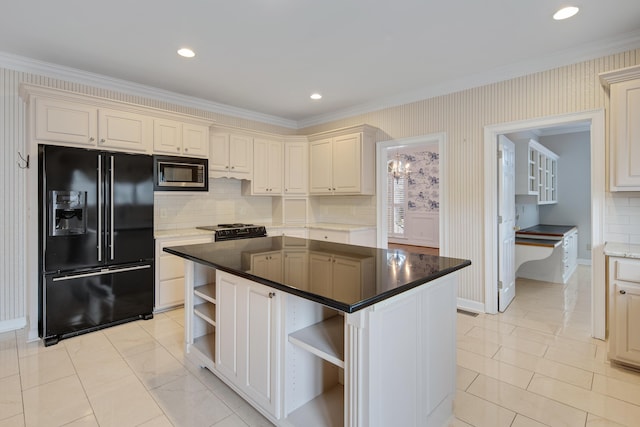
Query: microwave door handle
x=100, y=201
x=111, y=213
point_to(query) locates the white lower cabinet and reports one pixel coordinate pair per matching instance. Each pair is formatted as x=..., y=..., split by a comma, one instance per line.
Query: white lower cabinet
x=267, y=265
x=300, y=363
x=624, y=310
x=169, y=281
x=247, y=322
x=362, y=237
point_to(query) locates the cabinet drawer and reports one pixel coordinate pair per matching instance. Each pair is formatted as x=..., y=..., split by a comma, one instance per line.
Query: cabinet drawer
x=171, y=267
x=171, y=292
x=329, y=235
x=628, y=271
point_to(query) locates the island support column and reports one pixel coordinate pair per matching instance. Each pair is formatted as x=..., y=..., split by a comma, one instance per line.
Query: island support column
x=400, y=358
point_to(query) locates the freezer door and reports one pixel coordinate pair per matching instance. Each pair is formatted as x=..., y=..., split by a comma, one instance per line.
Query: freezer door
x=81, y=302
x=69, y=214
x=129, y=208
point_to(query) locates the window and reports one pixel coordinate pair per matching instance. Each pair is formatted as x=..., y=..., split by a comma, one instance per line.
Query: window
x=396, y=205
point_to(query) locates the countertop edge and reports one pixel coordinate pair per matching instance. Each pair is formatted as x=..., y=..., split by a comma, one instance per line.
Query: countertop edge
x=622, y=250
x=347, y=308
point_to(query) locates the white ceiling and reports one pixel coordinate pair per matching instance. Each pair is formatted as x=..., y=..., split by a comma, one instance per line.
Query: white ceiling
x=267, y=56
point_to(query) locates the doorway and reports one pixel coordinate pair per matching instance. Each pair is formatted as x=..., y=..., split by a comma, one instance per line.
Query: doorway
x=594, y=121
x=383, y=191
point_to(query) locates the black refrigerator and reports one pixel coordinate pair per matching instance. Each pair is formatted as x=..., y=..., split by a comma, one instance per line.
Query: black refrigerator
x=96, y=240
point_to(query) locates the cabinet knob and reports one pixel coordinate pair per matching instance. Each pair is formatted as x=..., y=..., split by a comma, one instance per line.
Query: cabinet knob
x=233, y=167
x=92, y=139
x=103, y=140
x=623, y=292
x=226, y=167
x=177, y=148
x=186, y=149
x=272, y=294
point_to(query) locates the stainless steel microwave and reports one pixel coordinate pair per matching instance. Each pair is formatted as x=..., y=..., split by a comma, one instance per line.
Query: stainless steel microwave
x=172, y=173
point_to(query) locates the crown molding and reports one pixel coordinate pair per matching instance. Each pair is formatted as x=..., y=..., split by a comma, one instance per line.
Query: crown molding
x=585, y=52
x=33, y=66
x=575, y=55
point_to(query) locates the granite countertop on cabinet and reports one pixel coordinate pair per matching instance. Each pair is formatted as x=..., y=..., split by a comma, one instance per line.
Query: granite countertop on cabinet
x=546, y=230
x=623, y=250
x=388, y=273
x=180, y=232
x=340, y=227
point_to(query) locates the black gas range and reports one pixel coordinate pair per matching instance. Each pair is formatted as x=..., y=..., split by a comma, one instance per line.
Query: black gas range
x=235, y=231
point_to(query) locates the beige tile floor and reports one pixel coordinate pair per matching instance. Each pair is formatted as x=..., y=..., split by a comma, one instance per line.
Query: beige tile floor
x=534, y=365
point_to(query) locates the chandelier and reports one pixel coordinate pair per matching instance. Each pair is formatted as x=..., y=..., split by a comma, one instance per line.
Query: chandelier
x=399, y=169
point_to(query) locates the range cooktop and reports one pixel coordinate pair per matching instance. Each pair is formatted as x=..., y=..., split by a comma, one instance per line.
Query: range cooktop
x=235, y=231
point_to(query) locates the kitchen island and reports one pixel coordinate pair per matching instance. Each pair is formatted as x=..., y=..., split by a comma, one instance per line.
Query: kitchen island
x=325, y=334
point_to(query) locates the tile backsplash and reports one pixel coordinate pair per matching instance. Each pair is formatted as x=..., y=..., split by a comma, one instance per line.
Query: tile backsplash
x=223, y=203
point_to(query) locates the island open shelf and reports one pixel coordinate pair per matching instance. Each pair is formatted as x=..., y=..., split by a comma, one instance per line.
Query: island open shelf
x=325, y=339
x=206, y=292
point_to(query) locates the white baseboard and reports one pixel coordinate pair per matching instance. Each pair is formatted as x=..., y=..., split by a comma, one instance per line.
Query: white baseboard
x=13, y=324
x=470, y=305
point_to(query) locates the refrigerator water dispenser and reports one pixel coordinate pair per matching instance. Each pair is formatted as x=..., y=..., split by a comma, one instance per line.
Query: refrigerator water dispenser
x=67, y=213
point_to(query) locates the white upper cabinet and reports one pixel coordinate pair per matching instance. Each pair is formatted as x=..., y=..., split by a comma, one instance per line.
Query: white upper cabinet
x=321, y=167
x=60, y=121
x=67, y=118
x=342, y=162
x=624, y=128
x=267, y=167
x=296, y=168
x=180, y=139
x=124, y=130
x=70, y=123
x=536, y=171
x=230, y=156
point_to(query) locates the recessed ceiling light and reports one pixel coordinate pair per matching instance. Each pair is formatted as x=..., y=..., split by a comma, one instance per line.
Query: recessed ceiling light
x=315, y=96
x=565, y=12
x=187, y=53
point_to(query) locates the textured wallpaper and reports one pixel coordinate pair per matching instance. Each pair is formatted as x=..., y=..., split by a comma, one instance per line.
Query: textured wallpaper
x=423, y=193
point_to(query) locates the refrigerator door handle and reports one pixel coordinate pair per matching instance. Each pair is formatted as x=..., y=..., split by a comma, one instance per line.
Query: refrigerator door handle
x=111, y=203
x=100, y=273
x=100, y=201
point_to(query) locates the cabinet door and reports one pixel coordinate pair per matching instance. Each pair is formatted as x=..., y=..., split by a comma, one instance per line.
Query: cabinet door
x=195, y=140
x=295, y=168
x=627, y=322
x=274, y=176
x=347, y=163
x=625, y=136
x=167, y=136
x=260, y=325
x=267, y=265
x=320, y=274
x=124, y=130
x=219, y=152
x=346, y=279
x=228, y=297
x=320, y=167
x=295, y=269
x=240, y=154
x=61, y=121
x=260, y=182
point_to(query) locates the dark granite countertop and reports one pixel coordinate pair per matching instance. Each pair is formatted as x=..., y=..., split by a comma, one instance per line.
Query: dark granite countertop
x=384, y=273
x=546, y=230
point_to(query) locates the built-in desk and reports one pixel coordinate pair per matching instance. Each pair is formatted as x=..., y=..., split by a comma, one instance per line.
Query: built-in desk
x=547, y=252
x=343, y=335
